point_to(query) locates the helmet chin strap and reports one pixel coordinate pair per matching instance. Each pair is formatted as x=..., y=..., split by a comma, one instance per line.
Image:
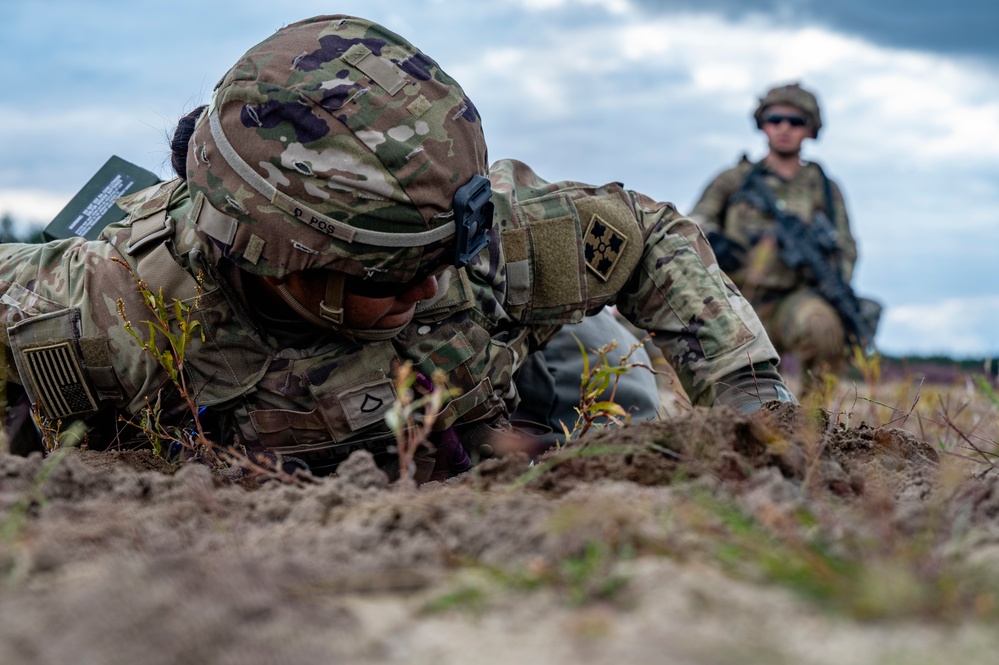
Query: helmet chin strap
x=331, y=312
x=375, y=334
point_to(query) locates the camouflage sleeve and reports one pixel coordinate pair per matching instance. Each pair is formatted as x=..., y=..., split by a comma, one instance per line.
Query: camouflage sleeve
x=845, y=241
x=709, y=211
x=63, y=339
x=702, y=324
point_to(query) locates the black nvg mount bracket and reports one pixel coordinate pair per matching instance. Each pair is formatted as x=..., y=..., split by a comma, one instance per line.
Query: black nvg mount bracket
x=473, y=217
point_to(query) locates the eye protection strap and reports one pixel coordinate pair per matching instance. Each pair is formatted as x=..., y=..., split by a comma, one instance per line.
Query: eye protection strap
x=331, y=309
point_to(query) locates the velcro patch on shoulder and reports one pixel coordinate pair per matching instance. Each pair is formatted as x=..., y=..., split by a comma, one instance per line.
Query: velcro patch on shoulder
x=58, y=379
x=603, y=245
x=556, y=283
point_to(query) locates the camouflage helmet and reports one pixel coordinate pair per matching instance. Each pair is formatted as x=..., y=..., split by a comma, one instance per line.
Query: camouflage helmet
x=335, y=144
x=792, y=95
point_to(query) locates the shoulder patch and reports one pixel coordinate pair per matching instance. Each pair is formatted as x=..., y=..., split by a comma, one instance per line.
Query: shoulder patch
x=58, y=380
x=603, y=246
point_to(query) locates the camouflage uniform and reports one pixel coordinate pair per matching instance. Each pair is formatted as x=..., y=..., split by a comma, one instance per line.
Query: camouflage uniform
x=796, y=319
x=555, y=251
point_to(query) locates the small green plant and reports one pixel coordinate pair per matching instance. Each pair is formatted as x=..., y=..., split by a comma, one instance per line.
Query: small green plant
x=169, y=332
x=412, y=416
x=53, y=435
x=869, y=366
x=168, y=335
x=48, y=429
x=597, y=379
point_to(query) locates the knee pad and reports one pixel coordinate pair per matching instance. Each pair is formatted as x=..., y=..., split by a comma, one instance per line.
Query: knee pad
x=811, y=327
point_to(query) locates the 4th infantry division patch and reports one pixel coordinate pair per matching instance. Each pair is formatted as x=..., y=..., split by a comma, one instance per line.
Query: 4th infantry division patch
x=603, y=246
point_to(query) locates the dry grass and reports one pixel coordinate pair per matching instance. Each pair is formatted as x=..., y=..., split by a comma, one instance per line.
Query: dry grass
x=874, y=557
x=959, y=419
x=869, y=553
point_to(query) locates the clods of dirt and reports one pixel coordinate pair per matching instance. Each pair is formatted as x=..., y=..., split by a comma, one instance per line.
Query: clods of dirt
x=121, y=558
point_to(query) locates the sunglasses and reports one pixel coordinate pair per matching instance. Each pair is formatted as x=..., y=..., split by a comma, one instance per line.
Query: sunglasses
x=371, y=289
x=793, y=120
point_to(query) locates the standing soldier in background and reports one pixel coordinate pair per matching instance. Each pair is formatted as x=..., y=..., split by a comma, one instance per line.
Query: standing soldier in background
x=743, y=232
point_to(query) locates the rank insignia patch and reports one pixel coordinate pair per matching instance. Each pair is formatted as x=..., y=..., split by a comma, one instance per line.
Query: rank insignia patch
x=603, y=246
x=367, y=404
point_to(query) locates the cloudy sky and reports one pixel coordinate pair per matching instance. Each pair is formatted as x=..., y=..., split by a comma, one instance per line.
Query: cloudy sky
x=655, y=94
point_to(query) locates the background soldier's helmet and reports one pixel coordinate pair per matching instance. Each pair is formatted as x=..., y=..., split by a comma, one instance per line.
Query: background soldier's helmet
x=336, y=144
x=793, y=95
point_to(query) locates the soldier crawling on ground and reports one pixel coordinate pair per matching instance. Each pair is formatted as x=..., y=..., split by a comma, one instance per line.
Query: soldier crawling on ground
x=337, y=203
x=799, y=320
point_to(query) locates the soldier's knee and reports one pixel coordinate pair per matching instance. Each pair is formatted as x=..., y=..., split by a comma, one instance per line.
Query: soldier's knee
x=817, y=330
x=808, y=326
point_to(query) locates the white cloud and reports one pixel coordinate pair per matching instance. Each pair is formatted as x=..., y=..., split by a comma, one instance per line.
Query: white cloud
x=611, y=6
x=31, y=204
x=956, y=326
x=916, y=107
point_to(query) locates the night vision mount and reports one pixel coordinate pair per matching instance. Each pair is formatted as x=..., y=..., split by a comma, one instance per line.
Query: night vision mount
x=473, y=217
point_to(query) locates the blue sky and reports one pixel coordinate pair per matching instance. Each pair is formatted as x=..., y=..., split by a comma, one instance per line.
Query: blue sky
x=657, y=95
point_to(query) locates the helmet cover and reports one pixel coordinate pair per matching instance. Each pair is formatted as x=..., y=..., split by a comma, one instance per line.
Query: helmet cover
x=334, y=144
x=792, y=95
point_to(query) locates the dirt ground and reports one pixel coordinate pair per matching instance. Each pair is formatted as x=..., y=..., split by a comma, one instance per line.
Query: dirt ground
x=715, y=538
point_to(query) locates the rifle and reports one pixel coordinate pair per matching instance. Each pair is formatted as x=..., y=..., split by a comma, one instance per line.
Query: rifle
x=814, y=246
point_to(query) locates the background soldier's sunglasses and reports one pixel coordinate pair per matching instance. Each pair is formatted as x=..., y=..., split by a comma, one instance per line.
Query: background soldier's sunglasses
x=793, y=120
